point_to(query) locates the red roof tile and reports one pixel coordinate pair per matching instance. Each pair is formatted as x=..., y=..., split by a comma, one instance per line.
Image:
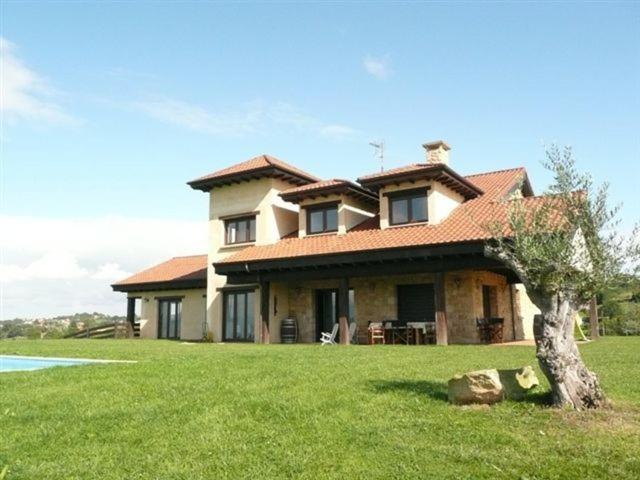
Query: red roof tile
x=178, y=269
x=335, y=185
x=434, y=171
x=253, y=165
x=395, y=171
x=322, y=184
x=466, y=223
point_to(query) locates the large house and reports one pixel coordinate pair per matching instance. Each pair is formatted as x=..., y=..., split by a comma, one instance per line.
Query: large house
x=406, y=244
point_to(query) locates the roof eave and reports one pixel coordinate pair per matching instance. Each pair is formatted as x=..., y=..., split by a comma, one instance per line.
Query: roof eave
x=315, y=261
x=434, y=172
x=206, y=184
x=354, y=190
x=163, y=285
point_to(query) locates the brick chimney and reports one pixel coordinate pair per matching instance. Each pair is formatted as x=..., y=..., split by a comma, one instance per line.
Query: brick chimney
x=437, y=152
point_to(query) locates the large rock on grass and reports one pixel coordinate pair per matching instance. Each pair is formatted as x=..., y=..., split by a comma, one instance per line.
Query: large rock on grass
x=516, y=383
x=482, y=386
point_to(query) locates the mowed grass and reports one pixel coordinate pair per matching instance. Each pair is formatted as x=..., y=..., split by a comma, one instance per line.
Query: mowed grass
x=275, y=411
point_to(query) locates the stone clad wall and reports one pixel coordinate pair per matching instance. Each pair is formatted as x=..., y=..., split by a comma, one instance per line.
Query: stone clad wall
x=376, y=300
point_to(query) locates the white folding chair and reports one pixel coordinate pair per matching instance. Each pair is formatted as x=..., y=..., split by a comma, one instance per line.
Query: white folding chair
x=330, y=338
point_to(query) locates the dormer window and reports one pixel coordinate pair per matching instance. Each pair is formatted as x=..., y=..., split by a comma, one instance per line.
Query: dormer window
x=240, y=230
x=408, y=206
x=322, y=219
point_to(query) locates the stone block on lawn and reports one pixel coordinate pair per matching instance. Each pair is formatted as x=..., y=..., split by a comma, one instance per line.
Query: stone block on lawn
x=516, y=383
x=482, y=386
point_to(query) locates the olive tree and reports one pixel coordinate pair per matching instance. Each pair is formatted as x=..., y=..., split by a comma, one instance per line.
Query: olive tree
x=564, y=247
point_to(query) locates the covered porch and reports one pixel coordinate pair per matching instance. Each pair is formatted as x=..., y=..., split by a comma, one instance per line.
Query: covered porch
x=449, y=287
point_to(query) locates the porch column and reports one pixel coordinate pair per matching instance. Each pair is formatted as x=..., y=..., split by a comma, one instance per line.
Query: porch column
x=593, y=318
x=343, y=311
x=441, y=314
x=264, y=312
x=131, y=315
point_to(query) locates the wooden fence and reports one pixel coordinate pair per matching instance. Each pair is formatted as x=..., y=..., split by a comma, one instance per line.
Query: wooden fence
x=105, y=330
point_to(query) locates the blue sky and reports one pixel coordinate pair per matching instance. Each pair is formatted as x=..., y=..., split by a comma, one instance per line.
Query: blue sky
x=111, y=107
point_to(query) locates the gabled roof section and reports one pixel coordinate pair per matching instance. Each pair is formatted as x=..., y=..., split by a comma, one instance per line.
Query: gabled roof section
x=418, y=171
x=465, y=224
x=329, y=187
x=176, y=273
x=257, y=167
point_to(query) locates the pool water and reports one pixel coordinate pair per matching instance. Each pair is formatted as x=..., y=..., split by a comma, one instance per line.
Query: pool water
x=14, y=363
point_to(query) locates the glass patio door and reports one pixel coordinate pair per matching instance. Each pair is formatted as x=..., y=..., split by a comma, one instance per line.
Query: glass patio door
x=238, y=316
x=169, y=317
x=327, y=310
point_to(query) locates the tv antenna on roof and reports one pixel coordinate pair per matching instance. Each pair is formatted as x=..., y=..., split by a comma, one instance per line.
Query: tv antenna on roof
x=379, y=152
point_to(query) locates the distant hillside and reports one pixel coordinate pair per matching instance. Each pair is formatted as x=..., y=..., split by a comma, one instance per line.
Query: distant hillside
x=53, y=327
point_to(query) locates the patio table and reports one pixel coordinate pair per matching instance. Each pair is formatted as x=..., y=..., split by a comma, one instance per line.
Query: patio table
x=424, y=327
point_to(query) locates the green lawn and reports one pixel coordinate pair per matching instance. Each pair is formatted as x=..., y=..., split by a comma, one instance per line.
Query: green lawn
x=277, y=411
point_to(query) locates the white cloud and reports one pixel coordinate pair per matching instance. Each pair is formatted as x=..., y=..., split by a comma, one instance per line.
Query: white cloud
x=51, y=265
x=60, y=266
x=199, y=119
x=24, y=94
x=379, y=67
x=252, y=118
x=337, y=131
x=111, y=272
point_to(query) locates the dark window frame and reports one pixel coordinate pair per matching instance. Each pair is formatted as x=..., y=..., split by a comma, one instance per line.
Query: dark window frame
x=238, y=293
x=247, y=220
x=489, y=301
x=177, y=301
x=324, y=208
x=408, y=196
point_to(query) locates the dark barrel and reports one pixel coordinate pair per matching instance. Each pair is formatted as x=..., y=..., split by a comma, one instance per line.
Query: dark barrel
x=289, y=330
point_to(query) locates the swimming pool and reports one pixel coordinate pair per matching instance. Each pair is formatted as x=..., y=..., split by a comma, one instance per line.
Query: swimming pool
x=16, y=363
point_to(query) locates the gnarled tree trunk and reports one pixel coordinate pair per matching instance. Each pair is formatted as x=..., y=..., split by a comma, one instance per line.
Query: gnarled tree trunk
x=571, y=382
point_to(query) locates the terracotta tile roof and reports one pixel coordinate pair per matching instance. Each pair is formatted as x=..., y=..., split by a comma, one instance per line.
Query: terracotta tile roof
x=255, y=165
x=435, y=171
x=463, y=225
x=178, y=269
x=412, y=167
x=334, y=185
x=322, y=184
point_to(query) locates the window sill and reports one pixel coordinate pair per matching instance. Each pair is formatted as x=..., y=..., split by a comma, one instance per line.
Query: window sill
x=412, y=224
x=233, y=246
x=320, y=234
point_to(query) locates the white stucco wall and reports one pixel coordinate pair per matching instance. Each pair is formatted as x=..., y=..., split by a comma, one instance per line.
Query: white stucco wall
x=193, y=312
x=274, y=219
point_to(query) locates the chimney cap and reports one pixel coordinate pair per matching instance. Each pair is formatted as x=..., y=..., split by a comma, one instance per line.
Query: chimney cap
x=436, y=144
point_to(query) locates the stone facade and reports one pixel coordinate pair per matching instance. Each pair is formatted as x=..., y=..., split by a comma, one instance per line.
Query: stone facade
x=376, y=299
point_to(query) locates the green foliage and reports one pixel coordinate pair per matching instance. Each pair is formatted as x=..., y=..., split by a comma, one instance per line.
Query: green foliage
x=618, y=309
x=207, y=411
x=568, y=242
x=54, y=327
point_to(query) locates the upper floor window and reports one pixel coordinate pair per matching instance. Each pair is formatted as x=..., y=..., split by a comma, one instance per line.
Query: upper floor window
x=322, y=219
x=240, y=230
x=408, y=207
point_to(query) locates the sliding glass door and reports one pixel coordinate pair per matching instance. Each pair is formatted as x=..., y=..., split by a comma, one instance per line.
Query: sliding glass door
x=238, y=316
x=169, y=313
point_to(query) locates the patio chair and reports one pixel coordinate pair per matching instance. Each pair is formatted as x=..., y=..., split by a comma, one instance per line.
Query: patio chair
x=376, y=333
x=353, y=332
x=329, y=338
